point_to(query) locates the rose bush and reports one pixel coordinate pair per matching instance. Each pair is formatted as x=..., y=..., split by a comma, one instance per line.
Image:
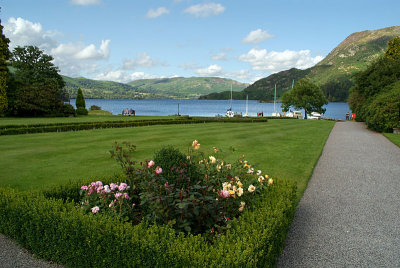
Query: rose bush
x=193, y=192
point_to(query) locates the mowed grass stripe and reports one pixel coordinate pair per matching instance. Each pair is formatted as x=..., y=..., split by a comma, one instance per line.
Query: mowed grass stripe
x=282, y=148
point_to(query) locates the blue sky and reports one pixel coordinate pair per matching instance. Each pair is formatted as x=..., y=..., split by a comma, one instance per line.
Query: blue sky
x=125, y=40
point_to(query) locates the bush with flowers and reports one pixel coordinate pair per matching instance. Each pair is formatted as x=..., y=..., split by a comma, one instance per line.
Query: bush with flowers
x=193, y=192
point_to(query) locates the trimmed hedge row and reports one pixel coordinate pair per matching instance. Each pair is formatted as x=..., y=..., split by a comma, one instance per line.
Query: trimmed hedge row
x=62, y=127
x=54, y=229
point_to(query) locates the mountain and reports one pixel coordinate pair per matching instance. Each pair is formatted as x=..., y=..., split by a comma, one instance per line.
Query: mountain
x=178, y=87
x=333, y=74
x=181, y=87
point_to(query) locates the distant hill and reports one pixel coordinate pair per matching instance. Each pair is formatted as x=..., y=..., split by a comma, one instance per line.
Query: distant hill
x=181, y=87
x=333, y=74
x=178, y=87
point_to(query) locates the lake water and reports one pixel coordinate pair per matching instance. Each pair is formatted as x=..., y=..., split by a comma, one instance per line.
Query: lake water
x=193, y=107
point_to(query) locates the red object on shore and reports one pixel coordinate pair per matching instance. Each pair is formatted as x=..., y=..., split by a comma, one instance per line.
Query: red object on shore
x=353, y=116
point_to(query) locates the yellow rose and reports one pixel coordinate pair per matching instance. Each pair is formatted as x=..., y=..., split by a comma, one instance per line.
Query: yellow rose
x=212, y=159
x=270, y=181
x=240, y=192
x=252, y=188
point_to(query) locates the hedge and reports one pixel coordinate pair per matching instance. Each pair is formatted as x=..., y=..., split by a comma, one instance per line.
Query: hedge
x=48, y=224
x=61, y=127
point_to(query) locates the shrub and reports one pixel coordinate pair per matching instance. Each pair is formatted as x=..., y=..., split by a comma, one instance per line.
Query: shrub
x=80, y=100
x=95, y=108
x=194, y=193
x=69, y=110
x=55, y=230
x=382, y=114
x=81, y=111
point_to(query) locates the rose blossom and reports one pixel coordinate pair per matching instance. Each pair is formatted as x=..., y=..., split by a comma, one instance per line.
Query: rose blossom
x=95, y=209
x=117, y=195
x=84, y=187
x=107, y=189
x=270, y=181
x=212, y=159
x=224, y=193
x=240, y=191
x=113, y=186
x=122, y=186
x=126, y=196
x=195, y=145
x=259, y=172
x=158, y=170
x=252, y=188
x=150, y=164
x=99, y=183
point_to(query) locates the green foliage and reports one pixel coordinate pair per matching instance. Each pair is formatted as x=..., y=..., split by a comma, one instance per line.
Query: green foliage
x=81, y=111
x=61, y=127
x=95, y=108
x=69, y=110
x=382, y=114
x=305, y=95
x=393, y=51
x=55, y=230
x=4, y=72
x=37, y=88
x=374, y=93
x=80, y=100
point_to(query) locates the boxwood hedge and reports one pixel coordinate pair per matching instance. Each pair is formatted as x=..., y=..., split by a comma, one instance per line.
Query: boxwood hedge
x=49, y=225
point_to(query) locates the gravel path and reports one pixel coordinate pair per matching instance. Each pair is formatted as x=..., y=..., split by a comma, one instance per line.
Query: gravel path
x=349, y=215
x=13, y=256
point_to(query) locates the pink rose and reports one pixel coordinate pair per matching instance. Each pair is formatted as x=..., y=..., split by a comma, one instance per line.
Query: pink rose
x=113, y=186
x=150, y=164
x=99, y=189
x=99, y=183
x=166, y=184
x=95, y=209
x=122, y=186
x=84, y=187
x=158, y=170
x=224, y=193
x=126, y=196
x=117, y=195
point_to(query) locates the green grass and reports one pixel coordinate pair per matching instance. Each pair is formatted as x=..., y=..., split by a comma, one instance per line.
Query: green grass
x=281, y=148
x=89, y=118
x=395, y=138
x=99, y=112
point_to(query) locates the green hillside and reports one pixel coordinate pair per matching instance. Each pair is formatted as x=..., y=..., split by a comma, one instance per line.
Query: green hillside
x=181, y=87
x=333, y=74
x=150, y=88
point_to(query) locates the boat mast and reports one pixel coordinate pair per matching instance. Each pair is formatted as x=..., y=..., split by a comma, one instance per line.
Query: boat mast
x=231, y=96
x=275, y=100
x=247, y=104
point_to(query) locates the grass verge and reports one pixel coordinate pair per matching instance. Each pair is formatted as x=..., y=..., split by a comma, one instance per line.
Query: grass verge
x=395, y=138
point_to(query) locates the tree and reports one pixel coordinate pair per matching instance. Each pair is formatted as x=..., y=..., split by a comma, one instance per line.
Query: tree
x=4, y=73
x=38, y=88
x=393, y=51
x=80, y=100
x=305, y=95
x=80, y=103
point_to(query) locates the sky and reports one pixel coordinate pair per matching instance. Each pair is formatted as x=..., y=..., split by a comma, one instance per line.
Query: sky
x=126, y=40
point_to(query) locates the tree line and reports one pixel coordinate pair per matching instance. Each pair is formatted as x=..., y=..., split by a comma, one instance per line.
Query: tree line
x=34, y=86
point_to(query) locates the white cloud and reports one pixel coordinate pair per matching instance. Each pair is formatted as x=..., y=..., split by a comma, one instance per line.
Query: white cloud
x=205, y=10
x=142, y=60
x=23, y=33
x=242, y=75
x=72, y=58
x=151, y=14
x=85, y=2
x=274, y=61
x=220, y=56
x=189, y=66
x=122, y=76
x=257, y=36
x=212, y=70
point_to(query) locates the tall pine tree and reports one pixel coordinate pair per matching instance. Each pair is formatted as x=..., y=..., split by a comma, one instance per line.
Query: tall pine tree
x=4, y=72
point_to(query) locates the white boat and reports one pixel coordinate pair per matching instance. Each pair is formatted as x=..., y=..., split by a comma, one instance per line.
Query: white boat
x=295, y=114
x=315, y=116
x=229, y=112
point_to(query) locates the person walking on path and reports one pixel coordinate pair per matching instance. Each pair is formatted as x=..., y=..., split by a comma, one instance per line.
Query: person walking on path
x=349, y=215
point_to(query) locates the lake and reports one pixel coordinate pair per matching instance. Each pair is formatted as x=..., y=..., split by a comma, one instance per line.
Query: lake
x=194, y=107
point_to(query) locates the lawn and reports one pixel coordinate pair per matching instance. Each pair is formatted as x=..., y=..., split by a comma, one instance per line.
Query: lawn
x=395, y=138
x=94, y=116
x=282, y=148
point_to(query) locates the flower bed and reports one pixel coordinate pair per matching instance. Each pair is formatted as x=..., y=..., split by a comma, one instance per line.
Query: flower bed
x=242, y=220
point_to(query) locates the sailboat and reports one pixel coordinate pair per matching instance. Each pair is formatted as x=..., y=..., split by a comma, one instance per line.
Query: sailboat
x=275, y=113
x=229, y=112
